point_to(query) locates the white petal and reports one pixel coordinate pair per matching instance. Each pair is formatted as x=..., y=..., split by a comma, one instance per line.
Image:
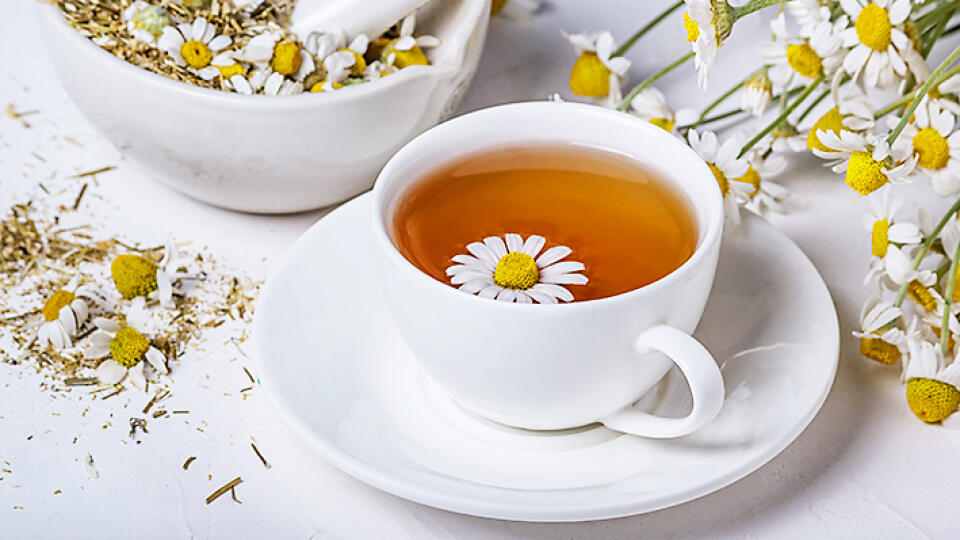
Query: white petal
x=157, y=360
x=135, y=374
x=553, y=290
x=496, y=245
x=110, y=372
x=533, y=245
x=514, y=242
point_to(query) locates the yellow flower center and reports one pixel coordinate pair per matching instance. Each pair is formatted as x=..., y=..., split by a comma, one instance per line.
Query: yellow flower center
x=804, y=60
x=879, y=241
x=879, y=350
x=286, y=58
x=413, y=56
x=665, y=124
x=229, y=71
x=693, y=30
x=865, y=174
x=516, y=270
x=589, y=77
x=721, y=178
x=831, y=121
x=497, y=6
x=56, y=302
x=128, y=346
x=319, y=86
x=359, y=64
x=931, y=149
x=921, y=295
x=751, y=177
x=133, y=275
x=932, y=400
x=196, y=54
x=873, y=27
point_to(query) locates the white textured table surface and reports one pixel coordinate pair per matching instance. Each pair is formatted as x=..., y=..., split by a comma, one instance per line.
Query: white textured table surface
x=864, y=468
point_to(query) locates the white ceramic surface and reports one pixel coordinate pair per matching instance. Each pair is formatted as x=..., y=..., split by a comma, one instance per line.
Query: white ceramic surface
x=334, y=364
x=565, y=365
x=262, y=153
x=370, y=17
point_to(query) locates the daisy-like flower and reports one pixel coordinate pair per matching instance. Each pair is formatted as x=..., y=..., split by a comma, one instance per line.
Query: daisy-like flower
x=509, y=269
x=933, y=139
x=348, y=61
x=64, y=313
x=879, y=48
x=726, y=167
x=945, y=94
x=271, y=50
x=897, y=270
x=515, y=9
x=852, y=112
x=756, y=93
x=765, y=194
x=651, y=105
x=880, y=340
x=407, y=49
x=135, y=276
x=884, y=231
x=932, y=392
x=795, y=61
x=808, y=12
x=784, y=138
x=145, y=22
x=127, y=348
x=596, y=72
x=869, y=164
x=195, y=46
x=708, y=23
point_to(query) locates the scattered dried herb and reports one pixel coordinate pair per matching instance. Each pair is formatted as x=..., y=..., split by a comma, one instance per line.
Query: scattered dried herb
x=186, y=464
x=223, y=489
x=259, y=455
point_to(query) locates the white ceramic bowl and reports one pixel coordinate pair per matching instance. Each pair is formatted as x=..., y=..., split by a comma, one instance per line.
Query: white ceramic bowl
x=268, y=154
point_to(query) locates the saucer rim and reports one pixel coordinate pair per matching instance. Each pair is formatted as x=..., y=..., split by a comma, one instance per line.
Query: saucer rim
x=527, y=512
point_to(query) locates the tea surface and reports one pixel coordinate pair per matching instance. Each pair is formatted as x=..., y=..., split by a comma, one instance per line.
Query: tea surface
x=626, y=225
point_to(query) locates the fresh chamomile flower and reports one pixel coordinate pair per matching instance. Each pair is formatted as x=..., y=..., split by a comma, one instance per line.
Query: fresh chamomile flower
x=596, y=72
x=785, y=137
x=326, y=86
x=884, y=231
x=64, y=313
x=271, y=49
x=651, y=105
x=515, y=9
x=869, y=163
x=945, y=94
x=880, y=340
x=135, y=276
x=852, y=112
x=932, y=392
x=726, y=167
x=808, y=12
x=195, y=45
x=510, y=270
x=897, y=270
x=795, y=61
x=407, y=49
x=766, y=194
x=756, y=93
x=127, y=348
x=145, y=22
x=879, y=47
x=933, y=139
x=708, y=23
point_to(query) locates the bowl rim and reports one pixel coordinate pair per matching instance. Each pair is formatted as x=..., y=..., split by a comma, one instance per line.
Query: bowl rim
x=475, y=10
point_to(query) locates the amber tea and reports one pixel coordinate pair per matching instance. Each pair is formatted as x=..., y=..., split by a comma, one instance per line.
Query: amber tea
x=628, y=226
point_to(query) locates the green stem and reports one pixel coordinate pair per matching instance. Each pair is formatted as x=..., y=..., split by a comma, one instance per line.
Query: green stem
x=723, y=97
x=922, y=92
x=652, y=79
x=937, y=32
x=646, y=28
x=783, y=115
x=813, y=105
x=717, y=118
x=753, y=5
x=926, y=247
x=947, y=299
x=935, y=14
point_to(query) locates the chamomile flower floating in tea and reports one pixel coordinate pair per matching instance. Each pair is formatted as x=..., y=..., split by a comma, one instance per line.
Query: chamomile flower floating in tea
x=932, y=384
x=128, y=348
x=596, y=72
x=510, y=270
x=933, y=139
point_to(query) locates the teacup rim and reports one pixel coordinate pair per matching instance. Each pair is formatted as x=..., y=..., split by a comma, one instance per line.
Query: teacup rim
x=52, y=17
x=714, y=201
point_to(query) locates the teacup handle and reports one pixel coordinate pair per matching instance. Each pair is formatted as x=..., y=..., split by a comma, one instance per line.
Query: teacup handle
x=703, y=377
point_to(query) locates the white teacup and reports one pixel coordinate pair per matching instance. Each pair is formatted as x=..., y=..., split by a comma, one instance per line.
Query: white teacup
x=551, y=367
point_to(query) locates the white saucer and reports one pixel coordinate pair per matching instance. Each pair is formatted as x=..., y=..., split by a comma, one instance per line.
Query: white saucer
x=335, y=366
